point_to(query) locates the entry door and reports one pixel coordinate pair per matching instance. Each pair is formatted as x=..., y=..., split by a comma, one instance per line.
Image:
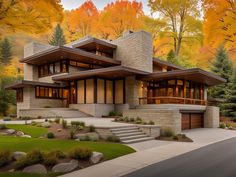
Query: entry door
x=73, y=93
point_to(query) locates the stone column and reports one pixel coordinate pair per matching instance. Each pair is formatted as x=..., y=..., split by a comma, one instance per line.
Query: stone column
x=211, y=117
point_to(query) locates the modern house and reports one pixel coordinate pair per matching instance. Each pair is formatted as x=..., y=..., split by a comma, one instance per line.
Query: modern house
x=93, y=77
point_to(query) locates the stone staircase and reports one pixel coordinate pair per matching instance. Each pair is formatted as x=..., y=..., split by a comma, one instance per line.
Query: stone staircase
x=131, y=134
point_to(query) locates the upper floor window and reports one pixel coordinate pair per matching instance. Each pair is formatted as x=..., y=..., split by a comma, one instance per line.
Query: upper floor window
x=53, y=68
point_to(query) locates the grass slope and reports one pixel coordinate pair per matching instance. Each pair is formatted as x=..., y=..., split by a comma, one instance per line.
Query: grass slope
x=29, y=130
x=110, y=150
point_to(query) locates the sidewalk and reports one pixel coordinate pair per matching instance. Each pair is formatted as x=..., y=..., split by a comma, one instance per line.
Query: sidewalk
x=157, y=151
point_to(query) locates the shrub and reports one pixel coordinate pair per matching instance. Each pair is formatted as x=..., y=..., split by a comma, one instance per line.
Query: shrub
x=91, y=128
x=50, y=135
x=59, y=154
x=7, y=119
x=138, y=119
x=116, y=119
x=2, y=126
x=50, y=159
x=144, y=123
x=126, y=119
x=64, y=124
x=222, y=125
x=113, y=138
x=72, y=133
x=112, y=113
x=121, y=119
x=77, y=124
x=25, y=118
x=131, y=120
x=57, y=120
x=168, y=132
x=32, y=157
x=33, y=123
x=80, y=153
x=151, y=123
x=175, y=137
x=5, y=157
x=46, y=120
x=183, y=136
x=39, y=117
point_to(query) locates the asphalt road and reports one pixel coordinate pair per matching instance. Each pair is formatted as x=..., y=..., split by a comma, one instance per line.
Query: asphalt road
x=216, y=160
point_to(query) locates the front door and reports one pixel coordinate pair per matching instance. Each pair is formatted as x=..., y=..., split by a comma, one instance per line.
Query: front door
x=73, y=93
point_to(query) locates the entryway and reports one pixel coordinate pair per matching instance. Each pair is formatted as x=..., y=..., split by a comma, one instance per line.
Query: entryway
x=192, y=120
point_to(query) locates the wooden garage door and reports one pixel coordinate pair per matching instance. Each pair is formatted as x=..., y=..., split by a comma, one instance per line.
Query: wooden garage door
x=192, y=120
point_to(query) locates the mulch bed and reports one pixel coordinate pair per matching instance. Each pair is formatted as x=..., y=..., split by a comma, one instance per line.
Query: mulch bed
x=180, y=139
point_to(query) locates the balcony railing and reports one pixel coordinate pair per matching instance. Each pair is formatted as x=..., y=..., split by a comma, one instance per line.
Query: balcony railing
x=171, y=100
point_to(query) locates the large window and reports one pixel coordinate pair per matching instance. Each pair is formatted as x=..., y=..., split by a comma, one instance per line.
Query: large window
x=50, y=92
x=53, y=68
x=19, y=95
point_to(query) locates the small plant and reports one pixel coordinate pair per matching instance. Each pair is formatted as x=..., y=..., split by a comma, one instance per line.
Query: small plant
x=151, y=123
x=132, y=119
x=32, y=157
x=50, y=135
x=183, y=136
x=91, y=128
x=113, y=138
x=80, y=153
x=39, y=117
x=7, y=119
x=57, y=120
x=59, y=154
x=175, y=137
x=138, y=120
x=72, y=133
x=46, y=120
x=5, y=157
x=222, y=125
x=145, y=123
x=126, y=119
x=2, y=126
x=77, y=124
x=50, y=159
x=167, y=132
x=64, y=123
x=25, y=118
x=121, y=119
x=112, y=113
x=116, y=119
x=33, y=123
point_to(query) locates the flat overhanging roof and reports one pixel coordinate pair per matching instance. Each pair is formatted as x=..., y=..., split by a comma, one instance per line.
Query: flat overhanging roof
x=62, y=52
x=109, y=73
x=195, y=74
x=166, y=64
x=25, y=83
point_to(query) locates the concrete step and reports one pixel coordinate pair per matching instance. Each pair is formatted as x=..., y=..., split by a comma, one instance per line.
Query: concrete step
x=121, y=132
x=133, y=137
x=123, y=128
x=137, y=140
x=129, y=134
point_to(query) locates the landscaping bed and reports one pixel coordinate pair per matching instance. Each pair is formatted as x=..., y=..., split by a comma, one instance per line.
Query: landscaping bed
x=178, y=138
x=131, y=120
x=227, y=123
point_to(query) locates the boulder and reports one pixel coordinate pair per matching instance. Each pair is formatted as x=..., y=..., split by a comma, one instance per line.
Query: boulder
x=18, y=154
x=96, y=157
x=19, y=133
x=26, y=136
x=10, y=131
x=45, y=124
x=38, y=168
x=65, y=167
x=83, y=136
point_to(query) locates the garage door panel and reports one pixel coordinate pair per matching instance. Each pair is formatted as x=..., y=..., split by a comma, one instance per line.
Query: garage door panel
x=185, y=122
x=192, y=120
x=196, y=120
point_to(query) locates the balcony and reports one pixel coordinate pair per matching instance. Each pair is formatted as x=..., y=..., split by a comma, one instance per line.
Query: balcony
x=171, y=100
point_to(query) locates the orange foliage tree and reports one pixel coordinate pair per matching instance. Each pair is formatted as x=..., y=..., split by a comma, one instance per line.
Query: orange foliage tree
x=119, y=16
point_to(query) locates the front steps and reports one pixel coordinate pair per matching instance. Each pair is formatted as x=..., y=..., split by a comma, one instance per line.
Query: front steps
x=131, y=134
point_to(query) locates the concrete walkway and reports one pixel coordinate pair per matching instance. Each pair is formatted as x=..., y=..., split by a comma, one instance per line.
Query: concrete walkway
x=152, y=152
x=97, y=122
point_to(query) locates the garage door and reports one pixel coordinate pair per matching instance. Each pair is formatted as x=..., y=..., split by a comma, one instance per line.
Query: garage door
x=192, y=120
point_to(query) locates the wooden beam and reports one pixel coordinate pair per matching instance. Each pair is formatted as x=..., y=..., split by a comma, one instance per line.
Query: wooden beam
x=95, y=87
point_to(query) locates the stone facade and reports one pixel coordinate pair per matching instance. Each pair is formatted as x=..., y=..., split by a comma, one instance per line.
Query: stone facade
x=212, y=117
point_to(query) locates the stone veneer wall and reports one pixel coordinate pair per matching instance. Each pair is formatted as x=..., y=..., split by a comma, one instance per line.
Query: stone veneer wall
x=135, y=50
x=212, y=117
x=164, y=118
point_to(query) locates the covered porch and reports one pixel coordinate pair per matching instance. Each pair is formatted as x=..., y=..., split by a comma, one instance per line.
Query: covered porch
x=178, y=87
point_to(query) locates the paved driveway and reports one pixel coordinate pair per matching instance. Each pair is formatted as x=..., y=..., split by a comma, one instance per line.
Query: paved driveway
x=152, y=152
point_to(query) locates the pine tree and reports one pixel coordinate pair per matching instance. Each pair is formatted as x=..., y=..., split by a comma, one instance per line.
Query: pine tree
x=5, y=52
x=229, y=107
x=223, y=67
x=171, y=57
x=58, y=37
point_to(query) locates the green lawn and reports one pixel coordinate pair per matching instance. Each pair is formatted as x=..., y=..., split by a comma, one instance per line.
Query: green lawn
x=110, y=150
x=30, y=130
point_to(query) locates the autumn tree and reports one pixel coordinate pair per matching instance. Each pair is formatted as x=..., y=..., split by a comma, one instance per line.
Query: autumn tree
x=58, y=38
x=28, y=15
x=181, y=17
x=220, y=22
x=81, y=21
x=5, y=52
x=171, y=57
x=223, y=67
x=118, y=17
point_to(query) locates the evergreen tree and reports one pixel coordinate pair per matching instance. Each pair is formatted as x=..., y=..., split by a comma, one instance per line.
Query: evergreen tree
x=5, y=52
x=229, y=107
x=171, y=57
x=223, y=67
x=58, y=37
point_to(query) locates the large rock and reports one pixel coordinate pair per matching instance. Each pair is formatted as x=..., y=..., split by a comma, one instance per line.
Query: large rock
x=38, y=168
x=10, y=131
x=65, y=167
x=18, y=154
x=26, y=136
x=45, y=124
x=83, y=136
x=19, y=133
x=96, y=157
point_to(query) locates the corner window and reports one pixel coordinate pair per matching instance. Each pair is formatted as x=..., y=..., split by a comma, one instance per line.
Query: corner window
x=19, y=95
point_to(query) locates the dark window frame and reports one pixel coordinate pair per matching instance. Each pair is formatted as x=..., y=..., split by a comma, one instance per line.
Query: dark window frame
x=46, y=92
